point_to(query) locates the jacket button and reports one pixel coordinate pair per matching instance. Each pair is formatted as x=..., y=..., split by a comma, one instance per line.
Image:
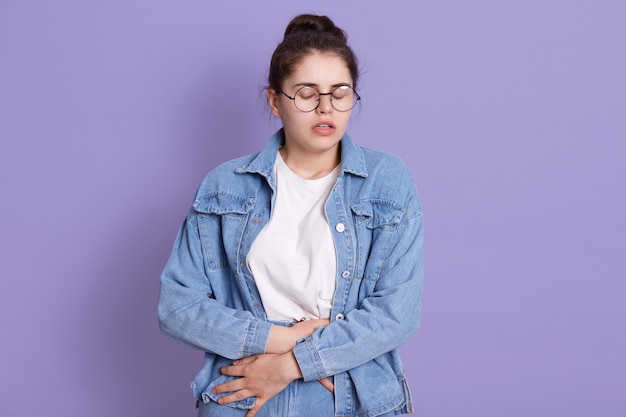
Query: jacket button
x=345, y=274
x=340, y=227
x=339, y=316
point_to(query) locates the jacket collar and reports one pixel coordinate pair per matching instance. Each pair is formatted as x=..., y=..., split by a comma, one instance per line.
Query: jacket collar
x=352, y=159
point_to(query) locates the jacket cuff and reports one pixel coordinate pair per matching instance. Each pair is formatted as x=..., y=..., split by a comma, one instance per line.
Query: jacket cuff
x=309, y=360
x=256, y=338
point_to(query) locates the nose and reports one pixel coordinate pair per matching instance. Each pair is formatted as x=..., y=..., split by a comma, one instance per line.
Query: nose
x=325, y=105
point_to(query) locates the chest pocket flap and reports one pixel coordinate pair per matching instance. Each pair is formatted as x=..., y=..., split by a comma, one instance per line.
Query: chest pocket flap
x=378, y=212
x=222, y=203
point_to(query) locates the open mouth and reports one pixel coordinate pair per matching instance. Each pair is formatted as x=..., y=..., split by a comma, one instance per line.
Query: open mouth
x=324, y=128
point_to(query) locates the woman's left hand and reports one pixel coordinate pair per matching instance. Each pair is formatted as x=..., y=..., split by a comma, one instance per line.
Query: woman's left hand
x=261, y=376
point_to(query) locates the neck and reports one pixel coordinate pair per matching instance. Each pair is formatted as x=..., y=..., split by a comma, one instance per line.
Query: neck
x=311, y=166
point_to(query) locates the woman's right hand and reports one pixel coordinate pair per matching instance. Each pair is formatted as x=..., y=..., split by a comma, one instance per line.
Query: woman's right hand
x=306, y=328
x=283, y=339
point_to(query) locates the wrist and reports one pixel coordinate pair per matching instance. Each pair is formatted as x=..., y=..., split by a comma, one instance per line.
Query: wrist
x=291, y=366
x=280, y=340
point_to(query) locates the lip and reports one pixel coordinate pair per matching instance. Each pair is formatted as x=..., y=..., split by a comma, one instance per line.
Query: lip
x=324, y=127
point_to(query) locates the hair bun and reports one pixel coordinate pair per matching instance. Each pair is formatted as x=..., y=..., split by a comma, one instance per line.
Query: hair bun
x=307, y=34
x=309, y=22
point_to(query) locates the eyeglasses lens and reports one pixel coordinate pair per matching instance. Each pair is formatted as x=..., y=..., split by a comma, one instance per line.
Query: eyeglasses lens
x=342, y=98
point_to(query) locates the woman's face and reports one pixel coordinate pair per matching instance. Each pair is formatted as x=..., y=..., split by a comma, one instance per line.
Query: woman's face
x=318, y=131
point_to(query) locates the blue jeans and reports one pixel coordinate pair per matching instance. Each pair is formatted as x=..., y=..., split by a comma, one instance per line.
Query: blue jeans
x=299, y=399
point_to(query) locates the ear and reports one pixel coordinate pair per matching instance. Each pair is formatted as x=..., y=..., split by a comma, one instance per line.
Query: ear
x=272, y=99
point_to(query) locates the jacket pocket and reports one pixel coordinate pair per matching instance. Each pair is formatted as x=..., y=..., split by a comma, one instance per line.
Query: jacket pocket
x=376, y=221
x=222, y=218
x=369, y=399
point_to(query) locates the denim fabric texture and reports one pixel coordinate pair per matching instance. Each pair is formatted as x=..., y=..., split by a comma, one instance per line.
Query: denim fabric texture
x=209, y=299
x=299, y=399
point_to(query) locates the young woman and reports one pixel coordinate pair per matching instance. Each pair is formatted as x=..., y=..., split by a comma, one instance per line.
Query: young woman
x=298, y=270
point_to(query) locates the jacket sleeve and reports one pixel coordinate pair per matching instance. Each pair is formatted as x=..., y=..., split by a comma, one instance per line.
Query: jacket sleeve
x=189, y=311
x=386, y=318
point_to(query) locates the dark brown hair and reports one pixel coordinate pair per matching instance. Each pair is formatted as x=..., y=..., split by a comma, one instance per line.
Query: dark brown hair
x=304, y=35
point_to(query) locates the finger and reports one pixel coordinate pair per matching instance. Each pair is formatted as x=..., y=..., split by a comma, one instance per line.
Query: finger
x=235, y=396
x=257, y=406
x=245, y=360
x=230, y=386
x=225, y=387
x=232, y=370
x=327, y=384
x=320, y=323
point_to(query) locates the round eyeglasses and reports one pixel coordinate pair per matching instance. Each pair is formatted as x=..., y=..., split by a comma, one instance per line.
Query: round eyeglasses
x=307, y=98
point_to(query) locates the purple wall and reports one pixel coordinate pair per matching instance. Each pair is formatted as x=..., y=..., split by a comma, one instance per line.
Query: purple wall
x=511, y=115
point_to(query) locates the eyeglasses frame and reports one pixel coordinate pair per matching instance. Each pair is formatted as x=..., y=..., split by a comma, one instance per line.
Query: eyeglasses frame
x=319, y=100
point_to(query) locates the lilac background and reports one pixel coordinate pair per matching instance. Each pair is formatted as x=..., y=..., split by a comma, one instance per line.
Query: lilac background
x=511, y=115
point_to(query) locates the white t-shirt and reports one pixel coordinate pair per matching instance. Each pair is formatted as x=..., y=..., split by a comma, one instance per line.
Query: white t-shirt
x=293, y=259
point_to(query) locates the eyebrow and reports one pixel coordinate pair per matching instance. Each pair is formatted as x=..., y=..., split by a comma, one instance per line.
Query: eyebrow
x=317, y=86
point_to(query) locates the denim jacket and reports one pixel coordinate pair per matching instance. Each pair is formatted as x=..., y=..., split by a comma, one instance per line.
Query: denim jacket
x=209, y=299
